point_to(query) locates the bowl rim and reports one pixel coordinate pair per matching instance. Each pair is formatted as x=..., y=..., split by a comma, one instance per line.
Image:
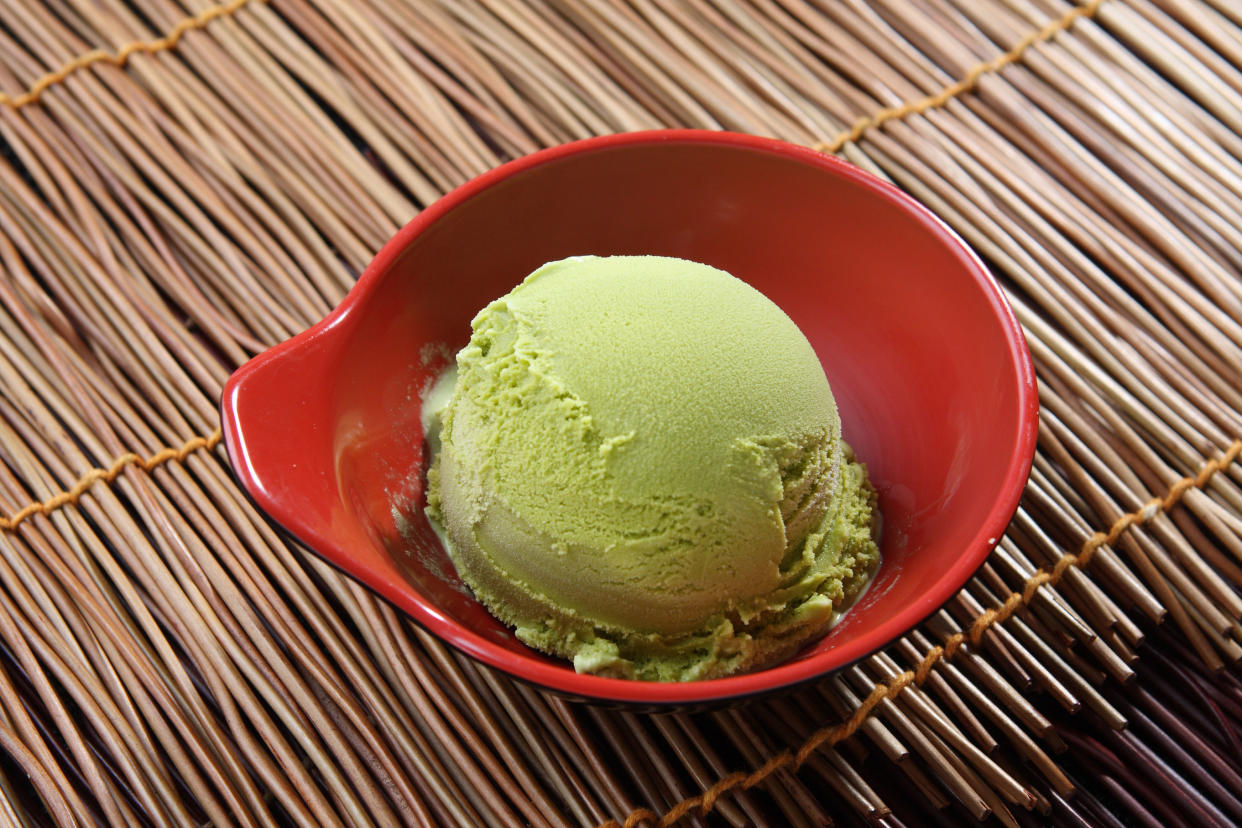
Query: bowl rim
x=555, y=677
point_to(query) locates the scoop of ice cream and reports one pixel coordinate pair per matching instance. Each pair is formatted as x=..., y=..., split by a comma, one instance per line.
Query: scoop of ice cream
x=641, y=468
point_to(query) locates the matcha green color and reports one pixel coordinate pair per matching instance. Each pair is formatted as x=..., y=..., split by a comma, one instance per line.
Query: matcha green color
x=641, y=469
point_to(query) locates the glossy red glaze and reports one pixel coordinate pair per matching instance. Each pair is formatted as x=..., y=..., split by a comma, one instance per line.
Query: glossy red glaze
x=929, y=367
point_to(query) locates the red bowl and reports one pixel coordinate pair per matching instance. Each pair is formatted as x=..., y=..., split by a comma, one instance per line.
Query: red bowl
x=927, y=363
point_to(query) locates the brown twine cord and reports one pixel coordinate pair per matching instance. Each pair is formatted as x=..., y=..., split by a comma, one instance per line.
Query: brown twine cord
x=855, y=132
x=892, y=688
x=963, y=86
x=94, y=56
x=108, y=475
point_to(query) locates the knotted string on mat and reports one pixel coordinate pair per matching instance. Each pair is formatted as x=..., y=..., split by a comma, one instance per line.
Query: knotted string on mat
x=108, y=475
x=855, y=132
x=122, y=55
x=966, y=84
x=893, y=687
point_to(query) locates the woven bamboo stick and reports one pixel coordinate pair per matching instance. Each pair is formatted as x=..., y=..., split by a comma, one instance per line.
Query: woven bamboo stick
x=164, y=220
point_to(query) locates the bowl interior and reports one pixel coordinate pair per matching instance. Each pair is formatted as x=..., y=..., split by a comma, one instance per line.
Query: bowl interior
x=927, y=366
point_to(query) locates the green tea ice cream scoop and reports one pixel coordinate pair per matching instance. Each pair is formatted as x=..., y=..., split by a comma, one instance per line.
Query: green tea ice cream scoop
x=641, y=469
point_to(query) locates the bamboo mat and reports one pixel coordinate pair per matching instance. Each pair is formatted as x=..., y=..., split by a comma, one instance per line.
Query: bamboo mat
x=185, y=184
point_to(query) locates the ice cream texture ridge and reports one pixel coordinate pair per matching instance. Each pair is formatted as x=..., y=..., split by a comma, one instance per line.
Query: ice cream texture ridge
x=640, y=468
